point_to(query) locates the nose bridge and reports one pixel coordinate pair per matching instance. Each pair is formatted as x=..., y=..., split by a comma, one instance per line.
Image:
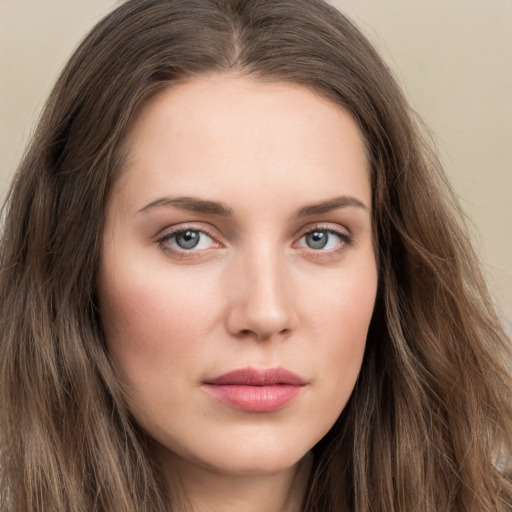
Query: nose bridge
x=262, y=304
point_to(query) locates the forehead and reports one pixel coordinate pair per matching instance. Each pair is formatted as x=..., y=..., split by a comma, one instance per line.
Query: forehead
x=230, y=134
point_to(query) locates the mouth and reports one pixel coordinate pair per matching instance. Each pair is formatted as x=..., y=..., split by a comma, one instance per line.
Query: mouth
x=255, y=390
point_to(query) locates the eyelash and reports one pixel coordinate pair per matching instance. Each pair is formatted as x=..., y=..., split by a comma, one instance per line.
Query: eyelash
x=180, y=253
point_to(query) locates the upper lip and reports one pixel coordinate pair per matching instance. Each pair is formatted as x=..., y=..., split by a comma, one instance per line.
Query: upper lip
x=257, y=377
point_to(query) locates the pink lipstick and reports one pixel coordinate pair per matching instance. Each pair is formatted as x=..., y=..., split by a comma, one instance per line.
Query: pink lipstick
x=253, y=390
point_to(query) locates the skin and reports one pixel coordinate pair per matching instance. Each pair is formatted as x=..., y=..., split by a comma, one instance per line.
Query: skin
x=253, y=292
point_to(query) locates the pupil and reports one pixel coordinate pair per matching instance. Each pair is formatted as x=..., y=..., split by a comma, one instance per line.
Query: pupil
x=317, y=239
x=187, y=239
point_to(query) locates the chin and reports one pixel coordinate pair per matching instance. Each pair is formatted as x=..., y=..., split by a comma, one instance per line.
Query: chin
x=264, y=456
x=260, y=462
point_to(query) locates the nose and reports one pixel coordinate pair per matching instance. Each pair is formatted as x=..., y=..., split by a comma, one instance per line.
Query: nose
x=261, y=297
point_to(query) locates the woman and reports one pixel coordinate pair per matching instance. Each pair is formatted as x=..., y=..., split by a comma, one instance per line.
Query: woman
x=232, y=279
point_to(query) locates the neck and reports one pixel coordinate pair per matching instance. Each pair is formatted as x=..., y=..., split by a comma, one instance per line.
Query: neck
x=195, y=488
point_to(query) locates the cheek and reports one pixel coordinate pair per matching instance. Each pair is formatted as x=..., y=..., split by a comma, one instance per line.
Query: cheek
x=349, y=318
x=342, y=305
x=338, y=319
x=152, y=325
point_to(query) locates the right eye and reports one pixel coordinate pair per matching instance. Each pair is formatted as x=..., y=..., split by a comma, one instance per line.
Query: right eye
x=187, y=240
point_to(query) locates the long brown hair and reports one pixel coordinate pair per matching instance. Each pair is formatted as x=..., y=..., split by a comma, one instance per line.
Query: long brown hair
x=429, y=424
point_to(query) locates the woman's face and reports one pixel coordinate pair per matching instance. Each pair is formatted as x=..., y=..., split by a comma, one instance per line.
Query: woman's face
x=238, y=275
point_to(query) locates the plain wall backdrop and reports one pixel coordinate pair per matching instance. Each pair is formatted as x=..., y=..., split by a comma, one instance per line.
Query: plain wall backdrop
x=453, y=58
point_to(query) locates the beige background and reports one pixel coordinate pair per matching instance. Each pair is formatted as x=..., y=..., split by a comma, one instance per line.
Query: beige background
x=454, y=58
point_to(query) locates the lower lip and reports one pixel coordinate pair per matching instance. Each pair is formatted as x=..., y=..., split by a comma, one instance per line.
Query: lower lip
x=254, y=398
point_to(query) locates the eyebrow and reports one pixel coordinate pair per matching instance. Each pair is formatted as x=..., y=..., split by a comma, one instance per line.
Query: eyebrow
x=191, y=204
x=194, y=204
x=332, y=204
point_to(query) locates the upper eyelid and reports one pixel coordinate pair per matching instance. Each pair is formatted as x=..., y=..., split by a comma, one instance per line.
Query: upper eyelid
x=345, y=239
x=180, y=228
x=324, y=226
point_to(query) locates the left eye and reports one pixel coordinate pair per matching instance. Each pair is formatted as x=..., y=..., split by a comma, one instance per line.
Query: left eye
x=321, y=239
x=188, y=240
